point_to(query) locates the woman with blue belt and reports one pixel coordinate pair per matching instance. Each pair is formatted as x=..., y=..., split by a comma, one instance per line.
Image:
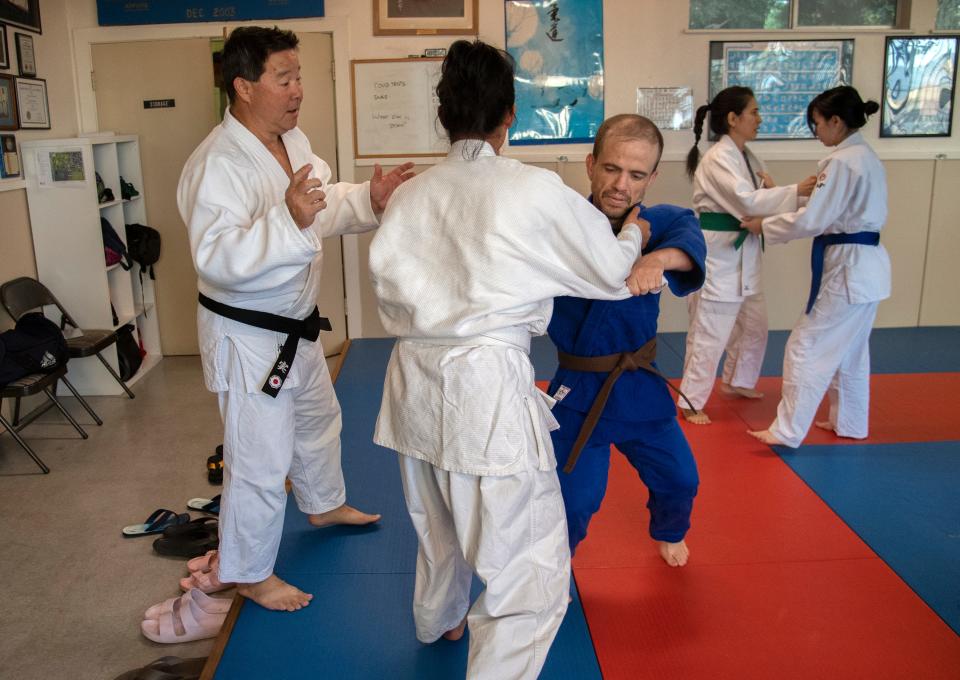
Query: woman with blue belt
x=828, y=350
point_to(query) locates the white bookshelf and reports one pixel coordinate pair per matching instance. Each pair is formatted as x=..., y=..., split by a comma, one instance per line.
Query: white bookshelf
x=67, y=242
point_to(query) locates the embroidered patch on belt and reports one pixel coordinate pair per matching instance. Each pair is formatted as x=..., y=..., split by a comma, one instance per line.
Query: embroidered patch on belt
x=561, y=392
x=275, y=381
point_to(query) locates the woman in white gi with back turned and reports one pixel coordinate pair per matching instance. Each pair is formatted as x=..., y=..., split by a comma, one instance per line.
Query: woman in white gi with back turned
x=466, y=263
x=729, y=312
x=829, y=349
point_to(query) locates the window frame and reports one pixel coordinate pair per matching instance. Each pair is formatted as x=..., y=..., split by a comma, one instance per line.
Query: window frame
x=901, y=23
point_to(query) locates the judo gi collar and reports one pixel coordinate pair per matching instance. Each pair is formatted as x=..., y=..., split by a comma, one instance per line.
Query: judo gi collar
x=617, y=230
x=470, y=149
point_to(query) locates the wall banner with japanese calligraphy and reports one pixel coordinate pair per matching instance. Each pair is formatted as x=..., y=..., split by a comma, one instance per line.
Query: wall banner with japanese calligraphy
x=785, y=75
x=558, y=49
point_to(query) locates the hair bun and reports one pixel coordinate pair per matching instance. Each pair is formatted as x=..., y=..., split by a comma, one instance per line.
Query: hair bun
x=870, y=107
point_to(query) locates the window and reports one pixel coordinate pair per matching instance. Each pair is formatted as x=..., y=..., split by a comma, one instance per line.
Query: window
x=784, y=14
x=948, y=15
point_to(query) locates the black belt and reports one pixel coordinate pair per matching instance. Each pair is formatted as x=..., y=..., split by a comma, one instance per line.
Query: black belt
x=308, y=329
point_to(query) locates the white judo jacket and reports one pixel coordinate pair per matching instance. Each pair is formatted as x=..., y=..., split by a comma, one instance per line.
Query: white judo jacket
x=247, y=249
x=850, y=196
x=466, y=264
x=722, y=184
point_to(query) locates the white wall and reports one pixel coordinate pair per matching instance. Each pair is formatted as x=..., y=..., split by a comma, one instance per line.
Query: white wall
x=646, y=44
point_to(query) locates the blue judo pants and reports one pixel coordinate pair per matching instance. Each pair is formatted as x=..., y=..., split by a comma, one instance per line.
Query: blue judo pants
x=657, y=450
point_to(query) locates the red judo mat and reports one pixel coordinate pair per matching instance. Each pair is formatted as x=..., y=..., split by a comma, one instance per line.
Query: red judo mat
x=777, y=585
x=903, y=408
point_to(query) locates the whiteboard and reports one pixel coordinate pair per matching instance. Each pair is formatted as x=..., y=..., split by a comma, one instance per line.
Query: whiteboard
x=395, y=108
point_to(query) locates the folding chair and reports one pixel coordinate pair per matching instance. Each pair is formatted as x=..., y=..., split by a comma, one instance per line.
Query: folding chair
x=29, y=385
x=25, y=294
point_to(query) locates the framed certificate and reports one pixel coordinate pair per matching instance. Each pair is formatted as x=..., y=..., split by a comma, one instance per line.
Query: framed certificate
x=32, y=103
x=26, y=57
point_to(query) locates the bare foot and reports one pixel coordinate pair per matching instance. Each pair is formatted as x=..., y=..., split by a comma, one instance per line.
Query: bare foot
x=342, y=515
x=765, y=436
x=825, y=425
x=275, y=593
x=674, y=554
x=455, y=634
x=746, y=392
x=695, y=417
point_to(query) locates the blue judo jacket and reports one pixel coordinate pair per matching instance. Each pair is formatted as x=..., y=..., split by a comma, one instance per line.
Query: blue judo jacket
x=596, y=328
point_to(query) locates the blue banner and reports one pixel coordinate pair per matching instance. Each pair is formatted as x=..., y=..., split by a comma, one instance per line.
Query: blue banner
x=131, y=12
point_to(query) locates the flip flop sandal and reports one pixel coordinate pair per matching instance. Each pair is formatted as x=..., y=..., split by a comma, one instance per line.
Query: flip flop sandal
x=193, y=542
x=201, y=563
x=193, y=616
x=205, y=582
x=184, y=547
x=211, y=505
x=167, y=668
x=158, y=521
x=193, y=527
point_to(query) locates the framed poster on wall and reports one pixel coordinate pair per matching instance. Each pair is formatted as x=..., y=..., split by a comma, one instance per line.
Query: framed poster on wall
x=433, y=17
x=21, y=13
x=9, y=119
x=784, y=75
x=558, y=49
x=919, y=82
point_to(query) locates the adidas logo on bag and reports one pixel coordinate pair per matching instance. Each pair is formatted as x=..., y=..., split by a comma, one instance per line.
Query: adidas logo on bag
x=48, y=360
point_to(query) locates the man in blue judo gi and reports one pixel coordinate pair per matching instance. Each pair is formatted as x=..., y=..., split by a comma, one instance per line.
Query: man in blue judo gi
x=607, y=388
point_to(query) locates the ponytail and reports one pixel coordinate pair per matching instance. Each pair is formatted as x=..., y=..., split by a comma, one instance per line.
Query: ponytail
x=693, y=157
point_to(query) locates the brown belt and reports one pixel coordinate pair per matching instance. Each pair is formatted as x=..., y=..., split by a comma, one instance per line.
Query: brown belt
x=615, y=365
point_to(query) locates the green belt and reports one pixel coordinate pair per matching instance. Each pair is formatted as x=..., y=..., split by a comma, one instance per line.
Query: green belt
x=711, y=221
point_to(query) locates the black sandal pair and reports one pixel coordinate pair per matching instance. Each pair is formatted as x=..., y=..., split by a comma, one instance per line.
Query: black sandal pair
x=190, y=539
x=167, y=668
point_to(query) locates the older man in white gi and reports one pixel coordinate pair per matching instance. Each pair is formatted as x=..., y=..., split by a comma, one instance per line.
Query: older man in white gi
x=257, y=203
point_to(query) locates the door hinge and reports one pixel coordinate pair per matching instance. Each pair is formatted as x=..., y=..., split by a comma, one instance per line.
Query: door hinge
x=333, y=69
x=93, y=81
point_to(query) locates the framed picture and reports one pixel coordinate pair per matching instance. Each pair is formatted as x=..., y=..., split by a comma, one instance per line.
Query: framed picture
x=10, y=160
x=785, y=75
x=26, y=58
x=4, y=48
x=425, y=17
x=919, y=81
x=9, y=120
x=32, y=104
x=22, y=13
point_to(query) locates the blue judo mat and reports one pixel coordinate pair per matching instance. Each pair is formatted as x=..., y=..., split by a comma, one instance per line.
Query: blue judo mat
x=359, y=625
x=903, y=501
x=900, y=498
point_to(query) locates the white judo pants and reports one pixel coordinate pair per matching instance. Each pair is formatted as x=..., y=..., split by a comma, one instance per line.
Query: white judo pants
x=828, y=351
x=266, y=440
x=740, y=328
x=512, y=532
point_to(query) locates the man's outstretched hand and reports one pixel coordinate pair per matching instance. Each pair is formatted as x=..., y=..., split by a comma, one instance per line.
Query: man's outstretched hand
x=304, y=198
x=382, y=186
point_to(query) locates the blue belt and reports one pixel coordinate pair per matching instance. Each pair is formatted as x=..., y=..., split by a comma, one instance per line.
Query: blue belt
x=820, y=243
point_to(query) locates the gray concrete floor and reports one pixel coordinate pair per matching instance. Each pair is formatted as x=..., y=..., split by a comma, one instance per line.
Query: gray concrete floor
x=75, y=588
